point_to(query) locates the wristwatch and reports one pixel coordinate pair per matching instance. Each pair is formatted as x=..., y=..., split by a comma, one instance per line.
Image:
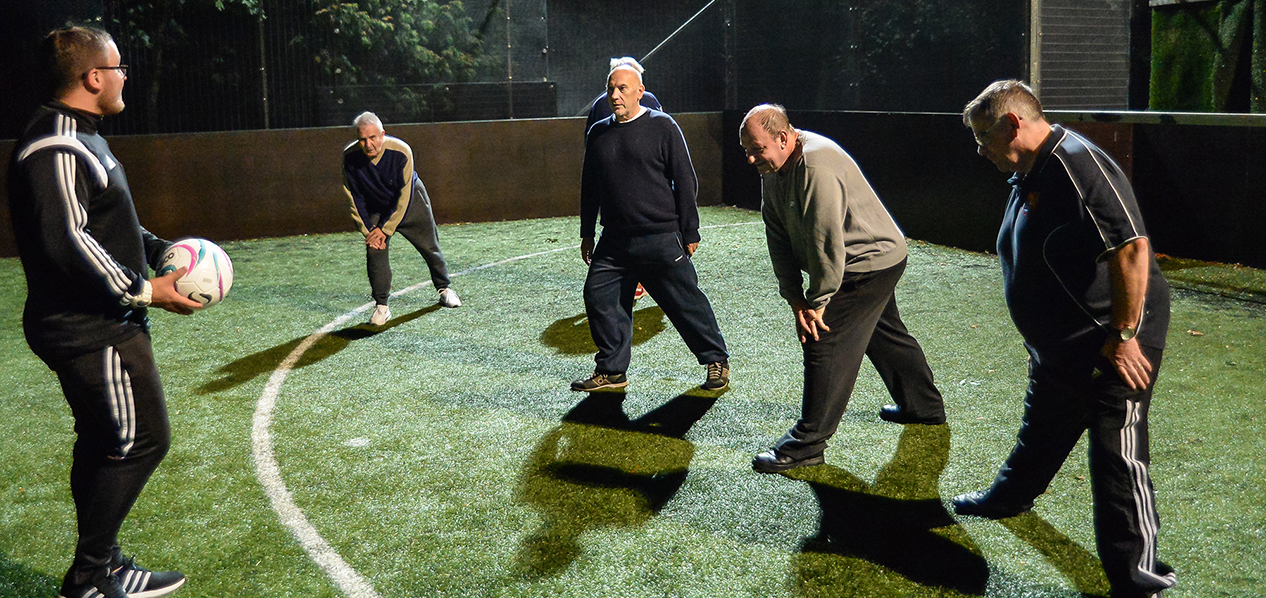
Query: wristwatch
x=1127, y=333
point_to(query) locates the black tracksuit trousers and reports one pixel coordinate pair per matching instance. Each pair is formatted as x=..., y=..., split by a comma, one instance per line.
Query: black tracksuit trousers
x=864, y=321
x=122, y=435
x=1062, y=402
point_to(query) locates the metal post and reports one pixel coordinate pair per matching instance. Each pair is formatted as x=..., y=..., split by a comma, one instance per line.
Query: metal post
x=1035, y=46
x=545, y=23
x=509, y=64
x=731, y=69
x=263, y=71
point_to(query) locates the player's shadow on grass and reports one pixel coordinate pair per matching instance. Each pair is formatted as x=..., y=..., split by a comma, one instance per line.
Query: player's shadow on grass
x=888, y=536
x=27, y=582
x=256, y=364
x=570, y=336
x=599, y=469
x=1068, y=557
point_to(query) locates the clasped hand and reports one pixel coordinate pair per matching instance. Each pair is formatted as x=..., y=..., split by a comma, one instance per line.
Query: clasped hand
x=165, y=296
x=376, y=239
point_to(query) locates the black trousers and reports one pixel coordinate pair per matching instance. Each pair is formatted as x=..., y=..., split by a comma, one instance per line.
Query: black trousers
x=122, y=434
x=660, y=262
x=864, y=321
x=1063, y=401
x=418, y=227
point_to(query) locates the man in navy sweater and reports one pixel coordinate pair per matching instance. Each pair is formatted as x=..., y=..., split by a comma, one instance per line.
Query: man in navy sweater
x=638, y=175
x=86, y=259
x=600, y=108
x=387, y=197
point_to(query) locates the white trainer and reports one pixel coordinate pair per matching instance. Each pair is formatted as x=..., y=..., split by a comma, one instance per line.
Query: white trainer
x=449, y=298
x=382, y=313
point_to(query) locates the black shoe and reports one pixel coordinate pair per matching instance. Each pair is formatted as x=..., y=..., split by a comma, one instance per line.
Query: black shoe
x=772, y=461
x=894, y=414
x=718, y=376
x=106, y=587
x=600, y=381
x=140, y=582
x=979, y=504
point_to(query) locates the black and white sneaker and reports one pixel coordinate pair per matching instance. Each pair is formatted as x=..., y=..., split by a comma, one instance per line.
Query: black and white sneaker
x=140, y=582
x=126, y=580
x=106, y=587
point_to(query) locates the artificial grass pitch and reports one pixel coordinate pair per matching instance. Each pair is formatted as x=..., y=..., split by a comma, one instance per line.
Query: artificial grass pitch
x=444, y=455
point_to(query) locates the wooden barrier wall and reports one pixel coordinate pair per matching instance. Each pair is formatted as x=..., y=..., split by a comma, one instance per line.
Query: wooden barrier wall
x=252, y=184
x=1197, y=177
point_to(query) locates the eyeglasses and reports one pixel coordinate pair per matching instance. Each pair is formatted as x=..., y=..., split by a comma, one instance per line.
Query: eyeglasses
x=122, y=68
x=983, y=137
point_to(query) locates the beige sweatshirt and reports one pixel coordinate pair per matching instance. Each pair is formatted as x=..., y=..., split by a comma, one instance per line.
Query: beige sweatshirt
x=823, y=218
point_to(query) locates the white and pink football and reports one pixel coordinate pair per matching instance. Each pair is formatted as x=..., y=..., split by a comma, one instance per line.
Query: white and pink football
x=209, y=275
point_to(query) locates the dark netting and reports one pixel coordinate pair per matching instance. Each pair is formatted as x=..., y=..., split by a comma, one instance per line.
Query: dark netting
x=303, y=63
x=918, y=55
x=196, y=70
x=22, y=26
x=913, y=55
x=687, y=74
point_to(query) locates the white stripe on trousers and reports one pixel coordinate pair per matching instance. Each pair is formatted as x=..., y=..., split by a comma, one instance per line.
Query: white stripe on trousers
x=122, y=408
x=1144, y=498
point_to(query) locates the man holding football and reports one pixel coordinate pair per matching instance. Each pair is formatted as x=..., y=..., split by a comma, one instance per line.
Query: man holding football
x=86, y=256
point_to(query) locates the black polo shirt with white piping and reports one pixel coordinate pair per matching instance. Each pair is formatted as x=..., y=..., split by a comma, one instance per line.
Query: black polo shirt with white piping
x=1063, y=221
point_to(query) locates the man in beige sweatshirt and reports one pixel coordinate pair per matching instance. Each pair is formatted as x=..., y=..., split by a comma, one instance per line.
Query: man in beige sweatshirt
x=822, y=218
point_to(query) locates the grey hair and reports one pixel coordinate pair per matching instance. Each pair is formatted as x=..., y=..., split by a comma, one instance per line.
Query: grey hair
x=367, y=118
x=1001, y=97
x=770, y=117
x=627, y=63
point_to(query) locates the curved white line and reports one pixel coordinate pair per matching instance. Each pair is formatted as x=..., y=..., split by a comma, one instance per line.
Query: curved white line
x=351, y=583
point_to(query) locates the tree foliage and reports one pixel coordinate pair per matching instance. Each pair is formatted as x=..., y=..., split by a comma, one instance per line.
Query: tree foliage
x=159, y=30
x=397, y=42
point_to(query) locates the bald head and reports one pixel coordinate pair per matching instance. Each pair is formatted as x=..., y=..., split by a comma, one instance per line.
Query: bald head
x=772, y=118
x=768, y=138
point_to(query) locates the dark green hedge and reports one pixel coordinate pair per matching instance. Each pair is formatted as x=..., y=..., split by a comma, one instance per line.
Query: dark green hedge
x=1209, y=56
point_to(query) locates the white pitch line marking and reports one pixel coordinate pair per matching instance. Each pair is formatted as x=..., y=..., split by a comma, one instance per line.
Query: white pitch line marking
x=267, y=470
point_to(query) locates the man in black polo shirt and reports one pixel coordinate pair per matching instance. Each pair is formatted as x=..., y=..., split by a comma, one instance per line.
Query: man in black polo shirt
x=638, y=175
x=1084, y=290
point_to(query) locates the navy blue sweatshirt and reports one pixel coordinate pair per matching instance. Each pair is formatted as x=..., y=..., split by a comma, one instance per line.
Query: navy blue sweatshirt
x=639, y=177
x=381, y=186
x=82, y=248
x=600, y=108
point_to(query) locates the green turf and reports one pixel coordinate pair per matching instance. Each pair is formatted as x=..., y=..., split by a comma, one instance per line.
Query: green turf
x=444, y=455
